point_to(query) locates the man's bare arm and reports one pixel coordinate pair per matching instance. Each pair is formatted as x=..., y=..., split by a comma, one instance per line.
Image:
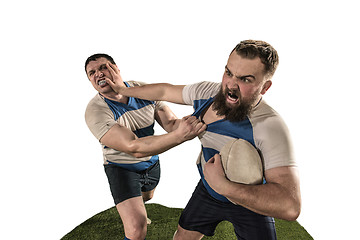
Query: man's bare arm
x=167, y=119
x=124, y=140
x=279, y=197
x=152, y=92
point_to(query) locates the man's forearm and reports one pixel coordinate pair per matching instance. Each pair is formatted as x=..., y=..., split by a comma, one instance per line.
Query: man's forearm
x=122, y=139
x=152, y=145
x=156, y=92
x=152, y=92
x=268, y=199
x=172, y=125
x=279, y=197
x=185, y=129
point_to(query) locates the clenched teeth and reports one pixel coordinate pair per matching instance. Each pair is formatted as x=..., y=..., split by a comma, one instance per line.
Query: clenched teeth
x=102, y=82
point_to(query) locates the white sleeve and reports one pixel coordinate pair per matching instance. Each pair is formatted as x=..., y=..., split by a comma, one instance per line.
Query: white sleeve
x=201, y=90
x=99, y=117
x=273, y=139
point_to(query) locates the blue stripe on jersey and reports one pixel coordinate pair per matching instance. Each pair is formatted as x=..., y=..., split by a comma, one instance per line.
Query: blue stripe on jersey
x=208, y=153
x=137, y=167
x=119, y=108
x=148, y=131
x=200, y=104
x=243, y=129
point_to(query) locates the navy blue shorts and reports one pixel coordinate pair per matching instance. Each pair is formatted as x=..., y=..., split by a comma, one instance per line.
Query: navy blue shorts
x=125, y=184
x=203, y=213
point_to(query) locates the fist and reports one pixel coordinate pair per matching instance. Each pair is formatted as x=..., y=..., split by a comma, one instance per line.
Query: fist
x=190, y=127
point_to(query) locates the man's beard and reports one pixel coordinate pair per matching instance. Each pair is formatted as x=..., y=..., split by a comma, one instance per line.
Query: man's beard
x=233, y=114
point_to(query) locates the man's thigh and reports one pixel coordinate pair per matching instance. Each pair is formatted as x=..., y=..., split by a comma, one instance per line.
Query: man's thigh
x=250, y=225
x=133, y=215
x=150, y=177
x=202, y=213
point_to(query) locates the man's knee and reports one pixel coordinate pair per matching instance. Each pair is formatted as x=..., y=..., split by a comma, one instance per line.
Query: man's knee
x=147, y=195
x=137, y=230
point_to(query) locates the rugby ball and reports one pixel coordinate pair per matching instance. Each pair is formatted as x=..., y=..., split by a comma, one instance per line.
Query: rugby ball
x=242, y=162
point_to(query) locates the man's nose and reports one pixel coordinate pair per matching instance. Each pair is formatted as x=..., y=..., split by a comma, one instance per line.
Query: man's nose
x=232, y=84
x=99, y=73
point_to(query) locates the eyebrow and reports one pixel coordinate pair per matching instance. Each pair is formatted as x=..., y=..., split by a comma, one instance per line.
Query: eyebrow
x=100, y=67
x=241, y=77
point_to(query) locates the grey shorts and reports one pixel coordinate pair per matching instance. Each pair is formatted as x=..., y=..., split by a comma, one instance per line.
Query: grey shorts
x=125, y=184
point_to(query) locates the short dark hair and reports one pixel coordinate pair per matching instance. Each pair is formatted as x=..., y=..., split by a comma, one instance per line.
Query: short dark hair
x=255, y=48
x=94, y=57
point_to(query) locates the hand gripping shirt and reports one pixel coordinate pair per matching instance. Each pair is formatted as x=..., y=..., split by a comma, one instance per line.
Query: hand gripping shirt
x=263, y=128
x=138, y=115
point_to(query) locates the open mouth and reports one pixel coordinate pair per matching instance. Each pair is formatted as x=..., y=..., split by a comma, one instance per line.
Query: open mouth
x=101, y=83
x=233, y=97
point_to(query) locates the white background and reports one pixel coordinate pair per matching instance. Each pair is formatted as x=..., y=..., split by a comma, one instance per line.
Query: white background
x=51, y=172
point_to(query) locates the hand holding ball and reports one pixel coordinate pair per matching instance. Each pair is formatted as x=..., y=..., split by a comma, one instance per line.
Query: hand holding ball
x=242, y=162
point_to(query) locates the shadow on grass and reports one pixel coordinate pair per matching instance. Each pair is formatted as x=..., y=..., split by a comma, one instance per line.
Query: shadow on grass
x=107, y=225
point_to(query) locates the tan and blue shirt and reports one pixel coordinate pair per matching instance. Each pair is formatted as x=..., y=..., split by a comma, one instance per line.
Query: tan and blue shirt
x=263, y=128
x=138, y=115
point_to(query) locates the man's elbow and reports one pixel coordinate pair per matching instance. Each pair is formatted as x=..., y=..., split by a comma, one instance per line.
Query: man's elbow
x=293, y=212
x=134, y=151
x=136, y=154
x=292, y=215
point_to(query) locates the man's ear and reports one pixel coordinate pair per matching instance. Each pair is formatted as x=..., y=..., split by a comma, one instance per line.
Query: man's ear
x=266, y=86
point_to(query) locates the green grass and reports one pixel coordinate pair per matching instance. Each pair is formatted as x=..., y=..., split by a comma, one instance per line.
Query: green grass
x=107, y=225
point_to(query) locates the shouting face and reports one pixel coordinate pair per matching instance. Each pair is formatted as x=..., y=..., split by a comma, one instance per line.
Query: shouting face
x=243, y=84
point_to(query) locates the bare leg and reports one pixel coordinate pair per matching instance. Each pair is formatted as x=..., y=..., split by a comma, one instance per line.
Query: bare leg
x=133, y=215
x=182, y=234
x=146, y=197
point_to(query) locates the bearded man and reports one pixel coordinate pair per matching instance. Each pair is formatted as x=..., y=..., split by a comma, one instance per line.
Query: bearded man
x=235, y=109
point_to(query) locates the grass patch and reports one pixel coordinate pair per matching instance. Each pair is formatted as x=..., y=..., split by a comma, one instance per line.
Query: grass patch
x=107, y=225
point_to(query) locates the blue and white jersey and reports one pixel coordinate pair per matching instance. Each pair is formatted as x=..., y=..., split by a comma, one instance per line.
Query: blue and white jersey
x=264, y=129
x=138, y=115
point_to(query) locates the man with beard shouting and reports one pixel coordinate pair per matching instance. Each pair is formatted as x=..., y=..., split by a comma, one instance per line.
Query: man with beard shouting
x=232, y=109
